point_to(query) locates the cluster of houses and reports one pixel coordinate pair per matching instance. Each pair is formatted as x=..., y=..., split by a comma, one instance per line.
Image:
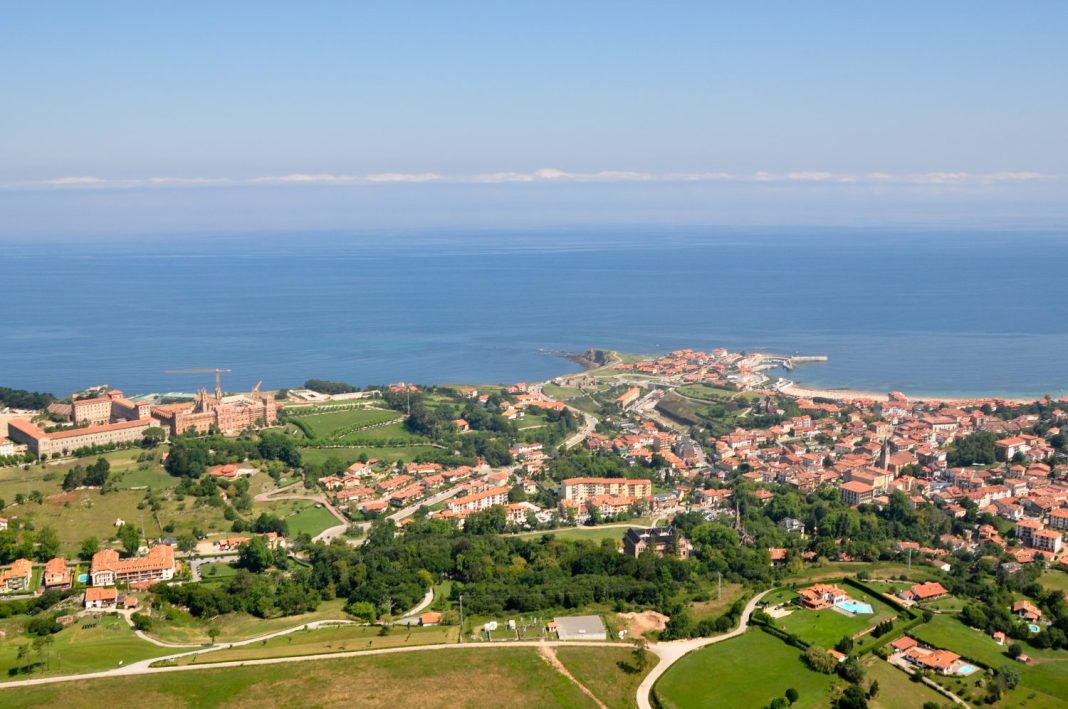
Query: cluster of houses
x=640, y=442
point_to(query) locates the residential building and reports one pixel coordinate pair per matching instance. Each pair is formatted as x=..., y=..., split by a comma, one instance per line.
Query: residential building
x=857, y=493
x=628, y=397
x=57, y=575
x=582, y=488
x=1047, y=540
x=820, y=595
x=478, y=501
x=98, y=598
x=106, y=569
x=16, y=577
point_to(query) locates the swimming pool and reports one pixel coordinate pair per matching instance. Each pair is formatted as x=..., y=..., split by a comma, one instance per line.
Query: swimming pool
x=82, y=578
x=1033, y=628
x=966, y=669
x=855, y=607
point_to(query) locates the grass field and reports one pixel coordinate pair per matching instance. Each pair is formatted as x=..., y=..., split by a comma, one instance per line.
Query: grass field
x=350, y=454
x=595, y=534
x=826, y=627
x=561, y=393
x=329, y=425
x=327, y=640
x=1055, y=579
x=607, y=672
x=896, y=690
x=311, y=518
x=748, y=671
x=878, y=570
x=714, y=607
x=237, y=626
x=711, y=393
x=78, y=649
x=1047, y=678
x=513, y=677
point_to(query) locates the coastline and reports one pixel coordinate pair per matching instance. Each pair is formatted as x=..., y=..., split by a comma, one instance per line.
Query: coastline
x=801, y=391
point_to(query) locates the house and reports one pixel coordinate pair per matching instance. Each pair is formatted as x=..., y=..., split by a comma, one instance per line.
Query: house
x=99, y=598
x=794, y=526
x=904, y=643
x=16, y=577
x=923, y=592
x=661, y=541
x=461, y=425
x=943, y=662
x=628, y=397
x=430, y=618
x=820, y=595
x=57, y=575
x=1027, y=610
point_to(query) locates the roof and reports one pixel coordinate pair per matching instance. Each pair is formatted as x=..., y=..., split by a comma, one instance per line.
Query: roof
x=928, y=590
x=101, y=593
x=857, y=487
x=580, y=626
x=904, y=643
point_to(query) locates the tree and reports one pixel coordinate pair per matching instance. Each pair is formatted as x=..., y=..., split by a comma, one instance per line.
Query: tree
x=1015, y=650
x=213, y=633
x=845, y=645
x=141, y=621
x=792, y=695
x=187, y=543
x=74, y=478
x=47, y=544
x=130, y=536
x=90, y=546
x=851, y=671
x=640, y=660
x=254, y=555
x=873, y=689
x=1009, y=676
x=852, y=698
x=820, y=660
x=153, y=436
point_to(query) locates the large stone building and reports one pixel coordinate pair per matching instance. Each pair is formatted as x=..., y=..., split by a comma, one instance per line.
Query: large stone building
x=580, y=489
x=111, y=407
x=226, y=414
x=107, y=569
x=65, y=442
x=662, y=541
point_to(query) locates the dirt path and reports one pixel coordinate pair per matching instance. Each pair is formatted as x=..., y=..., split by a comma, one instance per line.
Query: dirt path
x=549, y=655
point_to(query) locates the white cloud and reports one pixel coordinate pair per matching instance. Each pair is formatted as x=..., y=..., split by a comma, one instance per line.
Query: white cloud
x=553, y=175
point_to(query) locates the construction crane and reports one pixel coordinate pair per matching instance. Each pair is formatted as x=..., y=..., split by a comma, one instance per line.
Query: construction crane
x=218, y=376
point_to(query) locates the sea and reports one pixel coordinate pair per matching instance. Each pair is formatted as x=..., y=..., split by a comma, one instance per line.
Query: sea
x=926, y=311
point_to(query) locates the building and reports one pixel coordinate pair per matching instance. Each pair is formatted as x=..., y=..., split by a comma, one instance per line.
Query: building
x=581, y=489
x=1047, y=540
x=1007, y=448
x=57, y=575
x=820, y=595
x=65, y=442
x=430, y=618
x=1027, y=610
x=227, y=414
x=98, y=599
x=16, y=577
x=857, y=493
x=7, y=448
x=478, y=501
x=943, y=662
x=106, y=569
x=924, y=592
x=580, y=627
x=628, y=397
x=661, y=541
x=1058, y=518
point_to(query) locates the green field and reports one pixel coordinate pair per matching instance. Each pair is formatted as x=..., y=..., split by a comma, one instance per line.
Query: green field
x=826, y=627
x=607, y=672
x=1047, y=678
x=328, y=640
x=300, y=515
x=513, y=677
x=711, y=393
x=77, y=649
x=561, y=393
x=1055, y=579
x=350, y=454
x=896, y=689
x=184, y=628
x=330, y=425
x=748, y=671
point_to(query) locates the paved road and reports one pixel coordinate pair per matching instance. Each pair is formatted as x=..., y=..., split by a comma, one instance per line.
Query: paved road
x=283, y=493
x=672, y=651
x=412, y=616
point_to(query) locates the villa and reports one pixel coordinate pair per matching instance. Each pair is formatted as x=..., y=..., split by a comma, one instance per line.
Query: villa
x=1027, y=610
x=943, y=662
x=16, y=577
x=820, y=596
x=923, y=592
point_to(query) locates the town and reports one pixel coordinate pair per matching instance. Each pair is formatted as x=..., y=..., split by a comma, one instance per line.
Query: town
x=669, y=512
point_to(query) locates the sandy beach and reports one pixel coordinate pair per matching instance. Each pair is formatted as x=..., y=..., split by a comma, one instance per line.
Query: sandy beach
x=803, y=392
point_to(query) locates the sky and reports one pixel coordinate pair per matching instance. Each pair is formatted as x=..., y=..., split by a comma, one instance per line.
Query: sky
x=147, y=118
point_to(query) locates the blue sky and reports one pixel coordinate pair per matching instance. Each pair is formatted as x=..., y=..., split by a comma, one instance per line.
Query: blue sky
x=317, y=114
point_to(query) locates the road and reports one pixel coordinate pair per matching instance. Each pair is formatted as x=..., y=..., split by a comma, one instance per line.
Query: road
x=672, y=651
x=283, y=493
x=432, y=500
x=412, y=616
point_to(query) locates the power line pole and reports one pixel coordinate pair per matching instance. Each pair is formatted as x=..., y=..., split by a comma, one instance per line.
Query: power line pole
x=461, y=617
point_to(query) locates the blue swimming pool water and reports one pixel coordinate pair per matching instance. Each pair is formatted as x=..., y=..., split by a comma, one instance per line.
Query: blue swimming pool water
x=82, y=578
x=855, y=607
x=966, y=669
x=1033, y=628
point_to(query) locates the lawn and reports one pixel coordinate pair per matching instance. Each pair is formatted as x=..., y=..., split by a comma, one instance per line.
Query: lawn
x=826, y=627
x=878, y=570
x=595, y=534
x=748, y=671
x=183, y=628
x=1047, y=678
x=350, y=454
x=391, y=433
x=607, y=672
x=896, y=689
x=704, y=391
x=81, y=649
x=327, y=640
x=330, y=425
x=1055, y=579
x=714, y=607
x=513, y=677
x=146, y=475
x=561, y=393
x=300, y=515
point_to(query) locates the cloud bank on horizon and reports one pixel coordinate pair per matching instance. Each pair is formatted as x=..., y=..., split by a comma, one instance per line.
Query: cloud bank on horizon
x=546, y=175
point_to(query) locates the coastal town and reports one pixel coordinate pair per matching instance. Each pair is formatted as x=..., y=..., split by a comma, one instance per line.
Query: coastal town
x=686, y=500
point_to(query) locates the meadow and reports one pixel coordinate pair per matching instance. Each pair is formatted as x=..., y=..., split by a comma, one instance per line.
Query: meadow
x=747, y=671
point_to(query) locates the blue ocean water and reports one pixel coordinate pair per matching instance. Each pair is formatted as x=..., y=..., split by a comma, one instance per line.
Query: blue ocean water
x=926, y=312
